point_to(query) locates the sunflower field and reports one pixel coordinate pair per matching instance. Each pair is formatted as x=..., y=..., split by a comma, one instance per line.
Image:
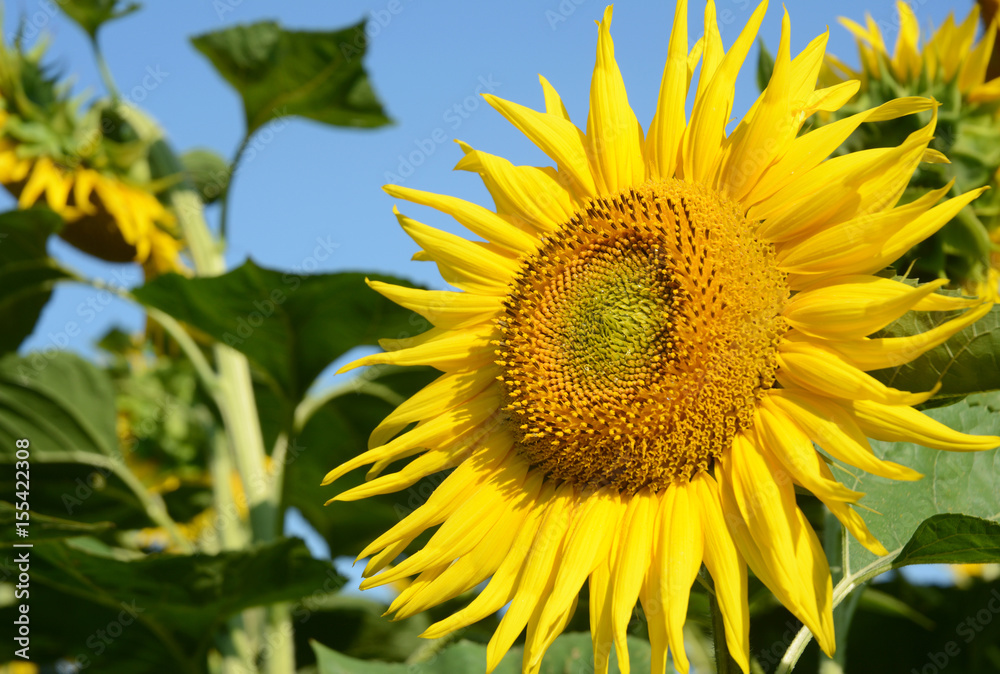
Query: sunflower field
x=704, y=376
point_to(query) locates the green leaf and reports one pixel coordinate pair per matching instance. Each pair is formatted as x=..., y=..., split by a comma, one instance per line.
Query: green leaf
x=60, y=403
x=65, y=408
x=963, y=483
x=43, y=527
x=338, y=431
x=278, y=72
x=92, y=14
x=356, y=627
x=967, y=363
x=208, y=172
x=180, y=599
x=27, y=274
x=290, y=325
x=952, y=539
x=569, y=654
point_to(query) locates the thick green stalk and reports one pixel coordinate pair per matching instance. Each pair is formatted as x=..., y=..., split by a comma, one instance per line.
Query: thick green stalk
x=239, y=412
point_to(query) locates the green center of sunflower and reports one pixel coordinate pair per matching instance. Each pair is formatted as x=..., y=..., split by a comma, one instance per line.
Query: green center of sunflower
x=638, y=338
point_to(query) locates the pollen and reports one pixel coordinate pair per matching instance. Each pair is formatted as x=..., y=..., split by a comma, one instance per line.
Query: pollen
x=638, y=338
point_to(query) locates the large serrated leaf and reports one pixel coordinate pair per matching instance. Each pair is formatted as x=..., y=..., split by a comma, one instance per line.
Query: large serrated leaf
x=181, y=600
x=569, y=654
x=963, y=483
x=92, y=14
x=60, y=403
x=291, y=326
x=279, y=72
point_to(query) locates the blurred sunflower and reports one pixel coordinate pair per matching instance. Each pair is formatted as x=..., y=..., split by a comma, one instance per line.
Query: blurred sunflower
x=952, y=67
x=74, y=164
x=646, y=346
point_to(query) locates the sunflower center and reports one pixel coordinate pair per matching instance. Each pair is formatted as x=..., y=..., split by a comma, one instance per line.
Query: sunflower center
x=638, y=338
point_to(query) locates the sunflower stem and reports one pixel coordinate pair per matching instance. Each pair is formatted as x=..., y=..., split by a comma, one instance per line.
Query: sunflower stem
x=724, y=663
x=102, y=66
x=242, y=424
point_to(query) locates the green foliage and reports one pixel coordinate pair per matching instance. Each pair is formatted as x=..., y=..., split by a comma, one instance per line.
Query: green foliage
x=952, y=539
x=62, y=403
x=335, y=433
x=954, y=482
x=290, y=325
x=569, y=654
x=177, y=601
x=44, y=527
x=92, y=14
x=356, y=627
x=27, y=273
x=278, y=72
x=960, y=631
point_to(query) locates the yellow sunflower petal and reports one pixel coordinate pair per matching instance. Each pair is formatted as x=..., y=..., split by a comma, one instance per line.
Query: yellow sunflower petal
x=553, y=102
x=899, y=423
x=973, y=70
x=765, y=130
x=533, y=197
x=875, y=354
x=588, y=542
x=792, y=447
x=777, y=542
x=728, y=570
x=665, y=133
x=837, y=432
x=501, y=587
x=680, y=552
x=536, y=577
x=555, y=136
x=704, y=135
x=442, y=308
x=473, y=217
x=820, y=371
x=450, y=353
x=443, y=394
x=855, y=307
x=614, y=137
x=808, y=150
x=632, y=560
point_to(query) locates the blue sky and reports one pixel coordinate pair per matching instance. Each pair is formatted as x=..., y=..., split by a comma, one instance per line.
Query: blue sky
x=308, y=183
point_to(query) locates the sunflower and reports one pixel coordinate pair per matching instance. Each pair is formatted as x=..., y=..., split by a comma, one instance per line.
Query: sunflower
x=51, y=155
x=644, y=349
x=952, y=67
x=951, y=55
